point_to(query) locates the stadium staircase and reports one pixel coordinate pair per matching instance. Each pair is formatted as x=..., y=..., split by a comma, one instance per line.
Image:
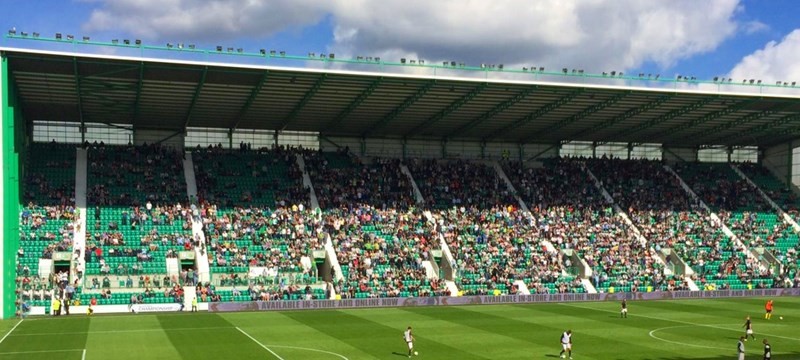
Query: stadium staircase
x=200, y=256
x=502, y=174
x=432, y=270
x=307, y=183
x=191, y=181
x=447, y=266
x=79, y=240
x=417, y=194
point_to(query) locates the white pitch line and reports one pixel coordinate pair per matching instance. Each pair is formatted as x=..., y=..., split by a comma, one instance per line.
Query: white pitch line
x=122, y=331
x=259, y=343
x=310, y=349
x=83, y=357
x=677, y=321
x=652, y=335
x=40, y=351
x=10, y=331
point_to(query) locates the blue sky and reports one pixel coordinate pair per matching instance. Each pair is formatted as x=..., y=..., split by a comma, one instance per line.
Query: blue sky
x=699, y=38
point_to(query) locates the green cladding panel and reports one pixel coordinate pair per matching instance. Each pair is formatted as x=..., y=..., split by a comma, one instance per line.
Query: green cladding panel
x=13, y=142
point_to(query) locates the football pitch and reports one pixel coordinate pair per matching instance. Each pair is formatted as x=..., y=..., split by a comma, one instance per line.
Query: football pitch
x=654, y=330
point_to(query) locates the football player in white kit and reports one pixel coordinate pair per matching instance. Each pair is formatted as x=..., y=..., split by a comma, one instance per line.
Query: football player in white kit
x=409, y=338
x=566, y=344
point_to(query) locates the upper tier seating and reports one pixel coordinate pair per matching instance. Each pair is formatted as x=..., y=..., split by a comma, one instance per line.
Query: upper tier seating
x=134, y=175
x=263, y=178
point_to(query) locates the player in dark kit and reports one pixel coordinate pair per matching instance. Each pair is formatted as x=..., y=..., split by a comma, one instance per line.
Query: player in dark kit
x=748, y=329
x=624, y=312
x=767, y=350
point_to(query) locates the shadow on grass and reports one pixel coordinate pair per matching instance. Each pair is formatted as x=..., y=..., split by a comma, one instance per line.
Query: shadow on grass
x=399, y=354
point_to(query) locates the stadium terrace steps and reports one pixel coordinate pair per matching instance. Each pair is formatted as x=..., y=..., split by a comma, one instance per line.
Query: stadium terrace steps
x=312, y=195
x=417, y=193
x=188, y=171
x=502, y=174
x=447, y=266
x=79, y=241
x=523, y=288
x=587, y=284
x=334, y=260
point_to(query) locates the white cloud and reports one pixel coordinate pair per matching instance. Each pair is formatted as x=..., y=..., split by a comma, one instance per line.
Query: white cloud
x=596, y=35
x=777, y=61
x=755, y=26
x=203, y=19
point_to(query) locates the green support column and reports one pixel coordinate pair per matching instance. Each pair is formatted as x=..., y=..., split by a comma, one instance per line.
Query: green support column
x=790, y=160
x=12, y=143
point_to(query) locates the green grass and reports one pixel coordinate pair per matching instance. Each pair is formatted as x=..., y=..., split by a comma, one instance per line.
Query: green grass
x=655, y=330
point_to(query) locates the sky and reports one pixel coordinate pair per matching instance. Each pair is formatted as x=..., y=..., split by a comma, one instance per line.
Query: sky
x=730, y=38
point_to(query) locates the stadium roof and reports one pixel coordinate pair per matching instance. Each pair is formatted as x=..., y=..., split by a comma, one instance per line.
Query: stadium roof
x=153, y=93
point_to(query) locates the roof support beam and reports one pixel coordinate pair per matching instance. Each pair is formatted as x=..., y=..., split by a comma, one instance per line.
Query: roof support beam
x=197, y=91
x=577, y=117
x=399, y=110
x=699, y=121
x=250, y=99
x=750, y=130
x=534, y=115
x=300, y=105
x=353, y=105
x=670, y=115
x=626, y=115
x=137, y=101
x=78, y=93
x=522, y=95
x=765, y=130
x=111, y=72
x=455, y=105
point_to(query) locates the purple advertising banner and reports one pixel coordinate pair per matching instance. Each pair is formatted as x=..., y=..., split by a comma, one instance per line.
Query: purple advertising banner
x=481, y=300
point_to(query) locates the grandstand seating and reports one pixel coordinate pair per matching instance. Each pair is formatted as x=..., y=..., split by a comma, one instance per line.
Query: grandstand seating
x=138, y=217
x=380, y=239
x=134, y=175
x=263, y=178
x=256, y=213
x=48, y=213
x=786, y=245
x=259, y=237
x=571, y=213
x=744, y=211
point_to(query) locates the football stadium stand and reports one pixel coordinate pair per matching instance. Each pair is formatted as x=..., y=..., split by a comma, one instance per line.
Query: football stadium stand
x=352, y=185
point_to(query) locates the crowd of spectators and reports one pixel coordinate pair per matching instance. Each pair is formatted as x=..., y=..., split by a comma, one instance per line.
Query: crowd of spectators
x=571, y=213
x=256, y=213
x=260, y=237
x=342, y=180
x=50, y=175
x=132, y=175
x=457, y=183
x=266, y=177
x=382, y=252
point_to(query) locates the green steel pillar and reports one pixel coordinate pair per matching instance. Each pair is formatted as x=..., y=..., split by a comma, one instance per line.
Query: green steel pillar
x=10, y=119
